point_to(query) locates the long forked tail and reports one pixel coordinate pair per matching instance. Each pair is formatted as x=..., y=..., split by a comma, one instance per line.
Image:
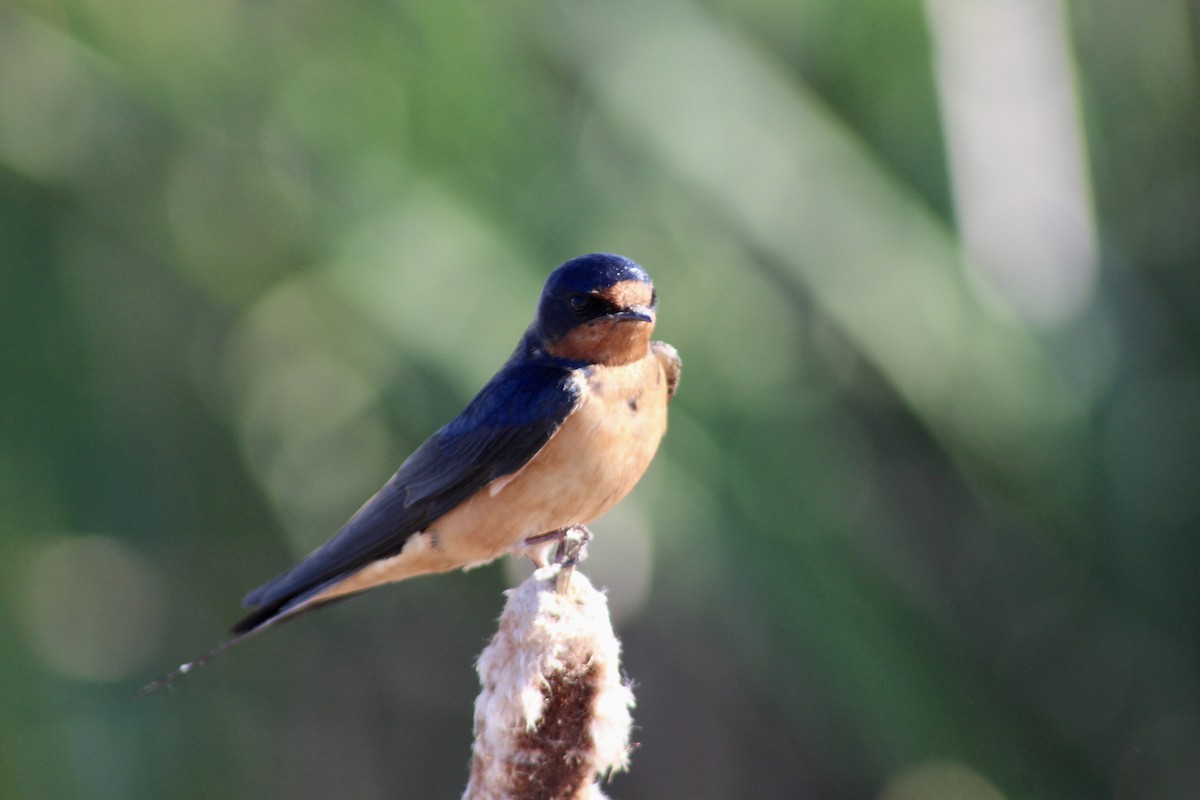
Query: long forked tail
x=239, y=637
x=255, y=622
x=184, y=669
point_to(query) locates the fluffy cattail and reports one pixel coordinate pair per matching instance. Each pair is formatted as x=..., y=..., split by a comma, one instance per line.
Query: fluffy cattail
x=553, y=715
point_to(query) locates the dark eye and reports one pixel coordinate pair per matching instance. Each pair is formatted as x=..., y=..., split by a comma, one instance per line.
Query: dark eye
x=579, y=303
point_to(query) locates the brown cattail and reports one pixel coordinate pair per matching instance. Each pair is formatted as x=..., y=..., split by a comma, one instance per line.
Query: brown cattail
x=553, y=715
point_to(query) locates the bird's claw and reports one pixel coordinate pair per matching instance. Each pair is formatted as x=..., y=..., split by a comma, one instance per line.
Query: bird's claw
x=572, y=543
x=571, y=550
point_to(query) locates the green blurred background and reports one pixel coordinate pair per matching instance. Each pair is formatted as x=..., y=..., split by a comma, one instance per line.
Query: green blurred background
x=925, y=523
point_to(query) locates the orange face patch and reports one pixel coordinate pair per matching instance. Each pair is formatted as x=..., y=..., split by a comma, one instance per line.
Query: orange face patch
x=607, y=341
x=627, y=294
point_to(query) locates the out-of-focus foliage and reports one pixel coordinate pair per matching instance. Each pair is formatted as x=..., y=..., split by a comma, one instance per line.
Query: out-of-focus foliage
x=925, y=524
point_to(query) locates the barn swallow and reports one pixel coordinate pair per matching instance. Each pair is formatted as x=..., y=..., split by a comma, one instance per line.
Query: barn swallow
x=556, y=438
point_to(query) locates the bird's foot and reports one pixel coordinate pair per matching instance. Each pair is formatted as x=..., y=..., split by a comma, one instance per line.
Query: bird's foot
x=572, y=548
x=571, y=542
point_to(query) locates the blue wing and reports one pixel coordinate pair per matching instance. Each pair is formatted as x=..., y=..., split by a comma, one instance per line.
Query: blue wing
x=506, y=424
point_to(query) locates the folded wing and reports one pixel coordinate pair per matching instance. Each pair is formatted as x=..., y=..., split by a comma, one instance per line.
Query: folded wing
x=506, y=424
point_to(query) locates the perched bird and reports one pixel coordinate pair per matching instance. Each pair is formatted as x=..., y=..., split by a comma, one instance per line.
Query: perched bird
x=556, y=438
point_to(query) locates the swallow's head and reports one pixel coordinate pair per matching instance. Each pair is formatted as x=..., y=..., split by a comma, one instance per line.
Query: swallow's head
x=598, y=309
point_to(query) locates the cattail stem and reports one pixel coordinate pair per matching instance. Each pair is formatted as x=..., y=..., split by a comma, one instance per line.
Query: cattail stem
x=553, y=715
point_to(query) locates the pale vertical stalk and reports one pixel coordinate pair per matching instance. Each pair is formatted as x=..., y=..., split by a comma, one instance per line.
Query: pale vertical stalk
x=1017, y=151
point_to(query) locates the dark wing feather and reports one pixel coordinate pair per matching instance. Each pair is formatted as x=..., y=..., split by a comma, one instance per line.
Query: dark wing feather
x=506, y=424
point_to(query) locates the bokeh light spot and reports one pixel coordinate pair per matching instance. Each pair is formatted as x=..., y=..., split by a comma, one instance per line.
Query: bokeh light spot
x=310, y=421
x=939, y=780
x=93, y=607
x=47, y=107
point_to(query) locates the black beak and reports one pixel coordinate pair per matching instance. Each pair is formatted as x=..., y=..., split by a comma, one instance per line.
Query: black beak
x=634, y=314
